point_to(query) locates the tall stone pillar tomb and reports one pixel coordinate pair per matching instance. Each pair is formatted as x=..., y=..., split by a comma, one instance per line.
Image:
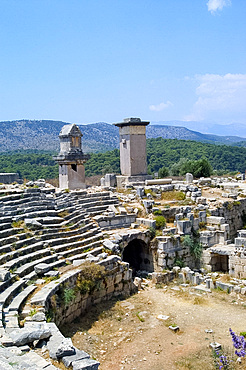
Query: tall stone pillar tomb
x=133, y=159
x=71, y=158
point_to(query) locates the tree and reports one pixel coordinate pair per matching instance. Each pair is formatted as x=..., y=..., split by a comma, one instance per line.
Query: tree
x=163, y=172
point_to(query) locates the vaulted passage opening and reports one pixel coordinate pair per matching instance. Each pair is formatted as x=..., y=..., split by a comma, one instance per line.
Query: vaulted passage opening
x=220, y=263
x=139, y=256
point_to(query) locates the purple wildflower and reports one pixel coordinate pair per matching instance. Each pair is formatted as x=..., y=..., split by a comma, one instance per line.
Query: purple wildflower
x=239, y=343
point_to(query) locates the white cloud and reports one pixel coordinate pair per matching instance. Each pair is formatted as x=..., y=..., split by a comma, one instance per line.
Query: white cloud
x=161, y=106
x=214, y=5
x=220, y=96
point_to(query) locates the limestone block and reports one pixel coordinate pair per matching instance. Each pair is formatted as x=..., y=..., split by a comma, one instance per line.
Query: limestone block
x=79, y=355
x=85, y=364
x=33, y=224
x=127, y=275
x=110, y=289
x=189, y=178
x=41, y=268
x=243, y=290
x=24, y=336
x=4, y=274
x=118, y=278
x=119, y=287
x=212, y=220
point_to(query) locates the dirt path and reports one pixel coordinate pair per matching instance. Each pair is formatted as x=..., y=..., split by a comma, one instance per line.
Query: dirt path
x=127, y=334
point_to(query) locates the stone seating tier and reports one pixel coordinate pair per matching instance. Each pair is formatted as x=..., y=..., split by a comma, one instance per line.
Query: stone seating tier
x=92, y=245
x=17, y=262
x=81, y=243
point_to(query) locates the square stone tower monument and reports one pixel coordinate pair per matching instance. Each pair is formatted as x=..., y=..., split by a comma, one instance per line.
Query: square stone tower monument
x=71, y=159
x=133, y=160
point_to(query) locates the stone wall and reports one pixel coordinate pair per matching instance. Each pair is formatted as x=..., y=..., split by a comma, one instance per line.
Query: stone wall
x=64, y=300
x=234, y=213
x=9, y=178
x=171, y=251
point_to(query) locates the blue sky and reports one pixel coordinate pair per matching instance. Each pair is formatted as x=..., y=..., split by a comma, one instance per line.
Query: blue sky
x=87, y=61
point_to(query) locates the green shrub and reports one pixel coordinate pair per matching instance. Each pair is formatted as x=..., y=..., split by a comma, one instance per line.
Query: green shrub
x=194, y=245
x=68, y=296
x=152, y=232
x=90, y=277
x=160, y=222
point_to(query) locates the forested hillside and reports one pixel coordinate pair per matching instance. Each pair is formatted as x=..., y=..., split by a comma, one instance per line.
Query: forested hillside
x=161, y=153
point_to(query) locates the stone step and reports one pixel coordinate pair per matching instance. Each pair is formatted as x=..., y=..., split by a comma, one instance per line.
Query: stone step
x=10, y=232
x=74, y=219
x=90, y=200
x=15, y=238
x=49, y=220
x=4, y=226
x=21, y=252
x=73, y=211
x=27, y=268
x=18, y=244
x=37, y=214
x=5, y=219
x=5, y=284
x=40, y=297
x=72, y=239
x=6, y=295
x=20, y=298
x=78, y=223
x=15, y=263
x=76, y=253
x=98, y=203
x=64, y=234
x=81, y=243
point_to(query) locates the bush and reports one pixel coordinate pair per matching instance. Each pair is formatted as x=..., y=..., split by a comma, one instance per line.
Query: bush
x=90, y=277
x=163, y=172
x=194, y=246
x=160, y=222
x=152, y=232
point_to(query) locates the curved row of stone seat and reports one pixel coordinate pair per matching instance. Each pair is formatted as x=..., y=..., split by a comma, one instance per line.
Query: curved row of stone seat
x=73, y=236
x=18, y=261
x=17, y=242
x=53, y=233
x=91, y=247
x=91, y=237
x=6, y=295
x=33, y=247
x=12, y=311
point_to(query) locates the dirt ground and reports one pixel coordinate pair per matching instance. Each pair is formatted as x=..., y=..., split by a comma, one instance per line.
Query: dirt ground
x=127, y=335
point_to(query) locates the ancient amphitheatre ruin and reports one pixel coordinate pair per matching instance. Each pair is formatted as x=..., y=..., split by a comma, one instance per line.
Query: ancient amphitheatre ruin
x=67, y=250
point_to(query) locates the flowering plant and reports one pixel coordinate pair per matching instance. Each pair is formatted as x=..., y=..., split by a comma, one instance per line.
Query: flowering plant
x=239, y=343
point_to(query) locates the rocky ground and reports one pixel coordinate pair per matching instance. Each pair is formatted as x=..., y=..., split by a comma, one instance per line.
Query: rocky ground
x=128, y=334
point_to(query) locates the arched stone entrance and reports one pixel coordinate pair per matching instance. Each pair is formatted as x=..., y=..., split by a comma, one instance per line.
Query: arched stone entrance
x=139, y=255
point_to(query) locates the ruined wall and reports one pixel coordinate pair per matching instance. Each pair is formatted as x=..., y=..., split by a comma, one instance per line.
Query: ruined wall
x=171, y=251
x=61, y=310
x=234, y=213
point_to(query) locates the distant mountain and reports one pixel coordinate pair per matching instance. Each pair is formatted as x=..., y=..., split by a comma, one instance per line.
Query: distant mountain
x=233, y=129
x=97, y=137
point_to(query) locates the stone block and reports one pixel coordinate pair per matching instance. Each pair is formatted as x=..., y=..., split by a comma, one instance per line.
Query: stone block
x=86, y=364
x=79, y=355
x=188, y=178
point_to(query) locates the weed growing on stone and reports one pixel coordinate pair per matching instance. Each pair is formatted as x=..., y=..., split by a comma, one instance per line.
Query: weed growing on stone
x=68, y=295
x=90, y=277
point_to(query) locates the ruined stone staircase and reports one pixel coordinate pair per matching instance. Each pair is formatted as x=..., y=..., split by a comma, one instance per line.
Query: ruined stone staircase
x=49, y=230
